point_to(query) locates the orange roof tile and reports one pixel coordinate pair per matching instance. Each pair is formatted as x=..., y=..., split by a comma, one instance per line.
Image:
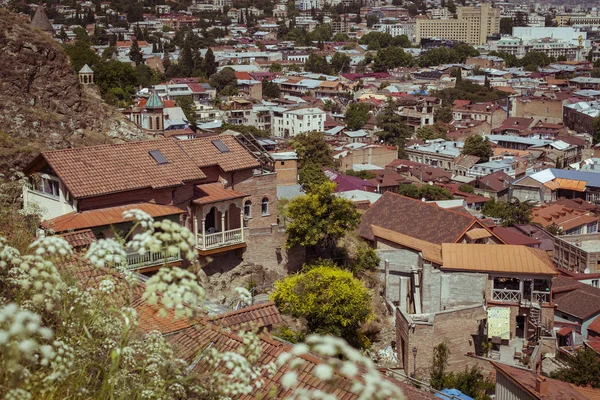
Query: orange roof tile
x=570, y=184
x=431, y=251
x=511, y=259
x=205, y=153
x=258, y=316
x=215, y=192
x=479, y=233
x=106, y=216
x=96, y=170
x=565, y=217
x=79, y=239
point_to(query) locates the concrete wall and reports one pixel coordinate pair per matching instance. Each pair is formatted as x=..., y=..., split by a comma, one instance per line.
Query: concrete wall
x=458, y=328
x=401, y=264
x=546, y=110
x=287, y=172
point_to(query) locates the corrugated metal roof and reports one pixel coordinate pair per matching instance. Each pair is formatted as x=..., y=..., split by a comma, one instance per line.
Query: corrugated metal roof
x=571, y=184
x=106, y=216
x=488, y=258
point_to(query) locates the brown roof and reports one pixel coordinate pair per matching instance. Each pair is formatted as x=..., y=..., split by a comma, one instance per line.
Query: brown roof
x=496, y=258
x=526, y=380
x=80, y=238
x=496, y=181
x=466, y=160
x=106, y=216
x=595, y=325
x=205, y=153
x=256, y=316
x=510, y=236
x=565, y=217
x=97, y=170
x=575, y=298
x=414, y=218
x=214, y=192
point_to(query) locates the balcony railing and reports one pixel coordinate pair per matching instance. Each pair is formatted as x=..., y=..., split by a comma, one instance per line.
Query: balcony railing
x=506, y=295
x=541, y=297
x=220, y=239
x=151, y=259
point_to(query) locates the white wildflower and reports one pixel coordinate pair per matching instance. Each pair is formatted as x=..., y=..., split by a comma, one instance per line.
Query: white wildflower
x=176, y=238
x=244, y=295
x=175, y=289
x=106, y=253
x=144, y=219
x=324, y=372
x=106, y=286
x=54, y=245
x=289, y=379
x=17, y=394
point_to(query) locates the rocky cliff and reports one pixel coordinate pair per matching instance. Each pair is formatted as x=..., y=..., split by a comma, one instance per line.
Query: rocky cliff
x=42, y=104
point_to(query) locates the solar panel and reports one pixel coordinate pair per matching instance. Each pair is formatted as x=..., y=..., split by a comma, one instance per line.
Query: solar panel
x=158, y=157
x=221, y=146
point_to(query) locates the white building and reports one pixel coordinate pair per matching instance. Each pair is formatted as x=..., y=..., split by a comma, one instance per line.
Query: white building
x=289, y=123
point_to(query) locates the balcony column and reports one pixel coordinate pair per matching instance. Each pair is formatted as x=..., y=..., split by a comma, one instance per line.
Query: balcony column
x=242, y=222
x=195, y=226
x=203, y=233
x=223, y=227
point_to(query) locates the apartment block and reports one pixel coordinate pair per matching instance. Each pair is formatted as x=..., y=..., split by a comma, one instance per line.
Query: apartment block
x=472, y=25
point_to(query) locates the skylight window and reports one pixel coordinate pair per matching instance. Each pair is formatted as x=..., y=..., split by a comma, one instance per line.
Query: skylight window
x=221, y=146
x=158, y=157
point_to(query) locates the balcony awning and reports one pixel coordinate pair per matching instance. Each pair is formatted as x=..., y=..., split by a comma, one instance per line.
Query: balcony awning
x=209, y=193
x=478, y=233
x=74, y=221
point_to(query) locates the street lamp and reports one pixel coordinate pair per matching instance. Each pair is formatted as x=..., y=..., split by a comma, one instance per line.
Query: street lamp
x=414, y=362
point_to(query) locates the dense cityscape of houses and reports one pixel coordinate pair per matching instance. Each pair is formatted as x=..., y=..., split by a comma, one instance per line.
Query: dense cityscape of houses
x=449, y=273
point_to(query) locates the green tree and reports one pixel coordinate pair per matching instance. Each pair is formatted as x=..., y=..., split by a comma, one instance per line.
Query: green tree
x=319, y=218
x=443, y=114
x=224, y=81
x=189, y=109
x=392, y=129
x=583, y=369
x=437, y=376
x=466, y=188
x=478, y=146
x=506, y=26
x=451, y=6
x=275, y=67
x=390, y=58
x=360, y=174
x=340, y=63
x=357, y=115
x=429, y=132
x=270, y=89
x=332, y=301
x=509, y=212
x=312, y=148
x=317, y=64
x=210, y=64
x=533, y=60
x=425, y=191
x=135, y=53
x=372, y=19
x=311, y=176
x=80, y=52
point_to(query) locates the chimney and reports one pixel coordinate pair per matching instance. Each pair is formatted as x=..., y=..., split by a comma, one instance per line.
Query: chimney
x=541, y=386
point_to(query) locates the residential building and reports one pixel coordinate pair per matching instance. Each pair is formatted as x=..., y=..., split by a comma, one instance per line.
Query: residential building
x=437, y=153
x=473, y=25
x=351, y=156
x=495, y=185
x=289, y=123
x=214, y=186
x=581, y=116
x=577, y=304
x=571, y=221
x=496, y=164
x=551, y=184
x=488, y=112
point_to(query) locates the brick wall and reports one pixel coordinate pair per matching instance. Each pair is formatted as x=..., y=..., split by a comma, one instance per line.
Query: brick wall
x=259, y=187
x=548, y=110
x=458, y=328
x=287, y=172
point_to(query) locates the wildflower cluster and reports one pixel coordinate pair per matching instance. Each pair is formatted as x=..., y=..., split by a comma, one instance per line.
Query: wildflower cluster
x=106, y=253
x=244, y=295
x=52, y=245
x=37, y=279
x=174, y=289
x=141, y=217
x=176, y=238
x=341, y=361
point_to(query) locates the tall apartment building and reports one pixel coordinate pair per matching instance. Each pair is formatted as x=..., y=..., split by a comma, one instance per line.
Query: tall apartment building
x=472, y=25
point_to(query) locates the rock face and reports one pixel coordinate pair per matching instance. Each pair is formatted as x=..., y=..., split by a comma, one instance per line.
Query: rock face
x=42, y=104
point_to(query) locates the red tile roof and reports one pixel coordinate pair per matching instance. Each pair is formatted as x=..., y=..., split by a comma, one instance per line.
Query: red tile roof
x=595, y=325
x=575, y=298
x=526, y=380
x=256, y=316
x=214, y=192
x=96, y=170
x=106, y=216
x=79, y=239
x=414, y=218
x=196, y=88
x=205, y=154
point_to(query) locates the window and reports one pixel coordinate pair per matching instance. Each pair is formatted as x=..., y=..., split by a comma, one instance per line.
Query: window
x=45, y=185
x=247, y=209
x=264, y=207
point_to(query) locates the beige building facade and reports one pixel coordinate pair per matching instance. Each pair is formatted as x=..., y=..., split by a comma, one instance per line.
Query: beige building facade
x=472, y=25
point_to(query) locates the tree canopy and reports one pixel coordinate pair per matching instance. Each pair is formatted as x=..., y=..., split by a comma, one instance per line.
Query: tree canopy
x=317, y=64
x=478, y=146
x=319, y=218
x=357, y=115
x=332, y=301
x=425, y=191
x=270, y=89
x=392, y=129
x=224, y=81
x=583, y=369
x=509, y=212
x=390, y=58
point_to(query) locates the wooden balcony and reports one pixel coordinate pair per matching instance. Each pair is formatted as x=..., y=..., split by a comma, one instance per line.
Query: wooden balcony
x=506, y=295
x=227, y=239
x=151, y=260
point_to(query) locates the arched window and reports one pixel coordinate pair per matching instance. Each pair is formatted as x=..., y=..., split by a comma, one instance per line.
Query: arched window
x=247, y=209
x=150, y=122
x=264, y=207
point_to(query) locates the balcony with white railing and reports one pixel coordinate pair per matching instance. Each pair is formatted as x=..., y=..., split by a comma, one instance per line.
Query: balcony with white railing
x=506, y=295
x=149, y=259
x=210, y=241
